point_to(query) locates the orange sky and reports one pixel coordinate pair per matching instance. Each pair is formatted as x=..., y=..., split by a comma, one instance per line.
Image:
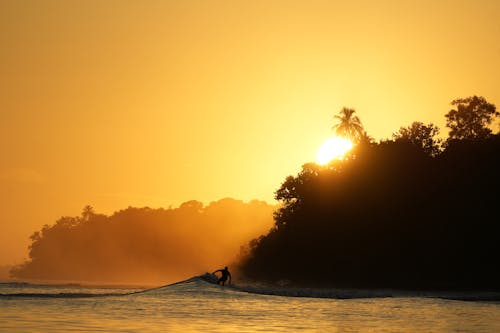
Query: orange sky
x=118, y=103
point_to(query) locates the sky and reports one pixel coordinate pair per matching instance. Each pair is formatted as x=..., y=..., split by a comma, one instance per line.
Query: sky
x=153, y=103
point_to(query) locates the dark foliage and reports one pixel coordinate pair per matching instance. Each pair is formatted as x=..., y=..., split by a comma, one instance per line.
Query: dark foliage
x=421, y=136
x=470, y=118
x=389, y=216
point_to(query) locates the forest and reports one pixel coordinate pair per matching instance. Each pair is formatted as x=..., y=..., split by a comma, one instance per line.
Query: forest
x=144, y=246
x=413, y=212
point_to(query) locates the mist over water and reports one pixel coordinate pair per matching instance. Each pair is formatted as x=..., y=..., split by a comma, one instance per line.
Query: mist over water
x=144, y=246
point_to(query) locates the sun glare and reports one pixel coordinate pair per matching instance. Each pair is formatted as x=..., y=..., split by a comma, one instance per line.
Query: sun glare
x=333, y=148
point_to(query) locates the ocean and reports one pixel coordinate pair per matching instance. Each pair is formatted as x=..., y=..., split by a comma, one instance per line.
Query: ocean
x=199, y=305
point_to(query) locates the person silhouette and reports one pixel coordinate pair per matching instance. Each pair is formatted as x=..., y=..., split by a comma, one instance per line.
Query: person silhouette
x=224, y=275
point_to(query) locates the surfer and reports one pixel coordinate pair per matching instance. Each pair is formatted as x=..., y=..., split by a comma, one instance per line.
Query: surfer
x=224, y=275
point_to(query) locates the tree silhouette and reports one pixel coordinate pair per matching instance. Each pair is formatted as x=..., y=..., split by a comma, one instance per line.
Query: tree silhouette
x=349, y=125
x=404, y=213
x=393, y=217
x=365, y=138
x=143, y=244
x=87, y=213
x=421, y=136
x=471, y=118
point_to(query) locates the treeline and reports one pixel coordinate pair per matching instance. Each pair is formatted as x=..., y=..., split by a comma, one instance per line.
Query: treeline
x=414, y=212
x=144, y=245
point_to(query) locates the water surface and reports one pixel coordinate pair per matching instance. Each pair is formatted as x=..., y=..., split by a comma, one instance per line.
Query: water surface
x=196, y=305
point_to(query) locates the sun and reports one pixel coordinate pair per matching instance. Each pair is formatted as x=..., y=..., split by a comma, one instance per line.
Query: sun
x=333, y=148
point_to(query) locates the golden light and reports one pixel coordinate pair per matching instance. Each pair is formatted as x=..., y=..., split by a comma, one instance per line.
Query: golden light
x=333, y=148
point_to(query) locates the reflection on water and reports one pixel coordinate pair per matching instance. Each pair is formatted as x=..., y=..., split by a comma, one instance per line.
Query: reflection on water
x=200, y=307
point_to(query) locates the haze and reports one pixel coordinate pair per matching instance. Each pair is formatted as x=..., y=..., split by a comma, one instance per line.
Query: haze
x=126, y=103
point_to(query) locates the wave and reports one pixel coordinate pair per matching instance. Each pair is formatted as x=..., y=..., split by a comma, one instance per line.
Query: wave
x=19, y=284
x=206, y=278
x=337, y=293
x=60, y=295
x=61, y=290
x=357, y=294
x=202, y=283
x=207, y=283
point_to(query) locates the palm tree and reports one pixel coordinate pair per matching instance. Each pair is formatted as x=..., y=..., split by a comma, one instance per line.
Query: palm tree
x=349, y=125
x=87, y=213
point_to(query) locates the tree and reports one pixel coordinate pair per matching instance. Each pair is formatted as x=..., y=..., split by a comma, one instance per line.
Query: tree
x=421, y=136
x=349, y=125
x=87, y=213
x=365, y=138
x=471, y=118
